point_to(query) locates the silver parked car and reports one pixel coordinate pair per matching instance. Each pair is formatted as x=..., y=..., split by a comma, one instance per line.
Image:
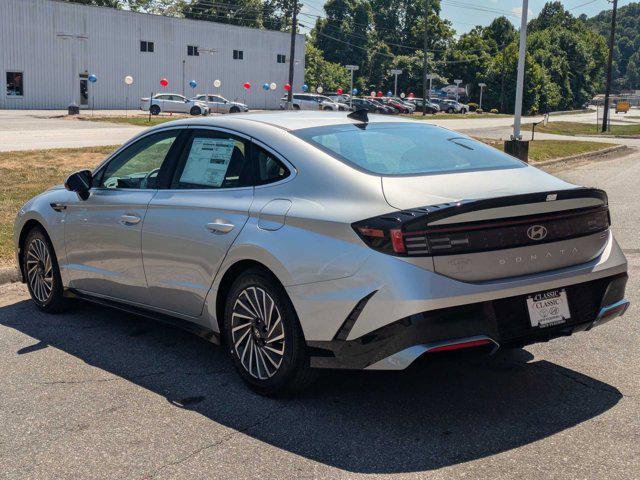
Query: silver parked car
x=326, y=240
x=219, y=104
x=310, y=101
x=173, y=103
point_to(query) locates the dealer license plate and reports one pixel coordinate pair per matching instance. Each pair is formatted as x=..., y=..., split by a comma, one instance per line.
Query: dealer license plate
x=548, y=308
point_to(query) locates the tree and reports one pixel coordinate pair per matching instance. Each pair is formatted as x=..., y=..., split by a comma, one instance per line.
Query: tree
x=247, y=13
x=320, y=72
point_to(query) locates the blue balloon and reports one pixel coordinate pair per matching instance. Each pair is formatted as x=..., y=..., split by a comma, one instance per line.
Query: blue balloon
x=265, y=86
x=93, y=78
x=193, y=84
x=389, y=93
x=355, y=91
x=305, y=87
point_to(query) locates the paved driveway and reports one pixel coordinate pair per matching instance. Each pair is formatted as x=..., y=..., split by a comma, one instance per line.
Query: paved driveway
x=98, y=394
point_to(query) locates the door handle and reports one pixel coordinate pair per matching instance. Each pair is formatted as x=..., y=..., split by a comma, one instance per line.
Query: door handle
x=220, y=226
x=128, y=219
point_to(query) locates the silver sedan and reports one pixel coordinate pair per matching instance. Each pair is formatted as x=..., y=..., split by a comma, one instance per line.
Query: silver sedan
x=306, y=240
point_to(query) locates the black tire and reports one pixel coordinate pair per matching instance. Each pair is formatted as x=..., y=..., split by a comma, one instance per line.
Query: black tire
x=289, y=371
x=296, y=107
x=155, y=110
x=234, y=110
x=328, y=109
x=463, y=111
x=42, y=276
x=195, y=111
x=451, y=110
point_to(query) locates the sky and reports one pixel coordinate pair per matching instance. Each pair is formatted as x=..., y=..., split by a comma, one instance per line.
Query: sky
x=465, y=14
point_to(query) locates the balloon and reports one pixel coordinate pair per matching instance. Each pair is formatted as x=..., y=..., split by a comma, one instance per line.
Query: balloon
x=319, y=89
x=287, y=87
x=389, y=93
x=379, y=94
x=164, y=82
x=273, y=86
x=265, y=86
x=339, y=91
x=402, y=95
x=93, y=78
x=305, y=87
x=373, y=93
x=354, y=91
x=193, y=84
x=128, y=80
x=247, y=86
x=217, y=83
x=410, y=94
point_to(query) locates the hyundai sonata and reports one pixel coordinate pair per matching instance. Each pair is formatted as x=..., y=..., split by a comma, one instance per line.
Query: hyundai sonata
x=306, y=240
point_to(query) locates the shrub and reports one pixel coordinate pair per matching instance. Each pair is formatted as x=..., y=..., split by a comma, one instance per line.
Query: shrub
x=494, y=110
x=479, y=110
x=473, y=106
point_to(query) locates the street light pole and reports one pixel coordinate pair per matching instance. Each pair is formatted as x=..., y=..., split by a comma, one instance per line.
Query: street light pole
x=351, y=68
x=395, y=72
x=481, y=85
x=607, y=92
x=520, y=78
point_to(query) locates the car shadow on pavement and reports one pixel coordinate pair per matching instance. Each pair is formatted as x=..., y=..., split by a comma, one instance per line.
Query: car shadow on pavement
x=438, y=413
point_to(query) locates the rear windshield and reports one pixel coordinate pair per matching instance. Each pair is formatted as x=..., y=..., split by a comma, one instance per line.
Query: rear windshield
x=405, y=149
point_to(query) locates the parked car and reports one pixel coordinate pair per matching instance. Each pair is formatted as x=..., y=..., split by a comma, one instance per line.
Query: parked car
x=339, y=97
x=419, y=102
x=368, y=105
x=173, y=103
x=388, y=109
x=451, y=106
x=326, y=241
x=406, y=103
x=399, y=107
x=310, y=101
x=219, y=104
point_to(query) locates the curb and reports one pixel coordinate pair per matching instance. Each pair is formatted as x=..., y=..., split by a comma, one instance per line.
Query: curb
x=9, y=275
x=582, y=156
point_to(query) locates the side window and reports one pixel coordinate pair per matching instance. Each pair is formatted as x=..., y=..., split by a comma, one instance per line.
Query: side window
x=138, y=165
x=213, y=160
x=269, y=169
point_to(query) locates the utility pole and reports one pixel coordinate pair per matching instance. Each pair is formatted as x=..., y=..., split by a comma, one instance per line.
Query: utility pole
x=612, y=38
x=425, y=67
x=292, y=52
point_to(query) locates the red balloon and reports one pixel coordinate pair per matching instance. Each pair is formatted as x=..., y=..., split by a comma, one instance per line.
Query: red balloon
x=164, y=82
x=247, y=86
x=379, y=94
x=411, y=95
x=287, y=87
x=339, y=91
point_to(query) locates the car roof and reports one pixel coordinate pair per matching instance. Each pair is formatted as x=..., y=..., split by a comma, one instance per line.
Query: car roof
x=289, y=120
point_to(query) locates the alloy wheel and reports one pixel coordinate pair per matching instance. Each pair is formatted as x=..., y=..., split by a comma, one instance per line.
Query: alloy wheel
x=257, y=332
x=39, y=269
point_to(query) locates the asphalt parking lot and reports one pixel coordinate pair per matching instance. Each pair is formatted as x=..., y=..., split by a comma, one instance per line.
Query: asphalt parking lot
x=98, y=394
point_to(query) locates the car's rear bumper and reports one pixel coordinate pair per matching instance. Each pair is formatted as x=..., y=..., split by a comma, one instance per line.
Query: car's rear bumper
x=485, y=326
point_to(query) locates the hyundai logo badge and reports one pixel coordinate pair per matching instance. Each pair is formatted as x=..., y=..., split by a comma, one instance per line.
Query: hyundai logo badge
x=537, y=232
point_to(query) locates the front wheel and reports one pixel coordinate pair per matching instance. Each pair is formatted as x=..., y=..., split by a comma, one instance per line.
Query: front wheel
x=234, y=109
x=195, y=111
x=41, y=271
x=155, y=110
x=264, y=336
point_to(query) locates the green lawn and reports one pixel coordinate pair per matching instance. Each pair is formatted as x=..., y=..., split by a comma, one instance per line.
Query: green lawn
x=576, y=128
x=457, y=116
x=137, y=120
x=542, y=150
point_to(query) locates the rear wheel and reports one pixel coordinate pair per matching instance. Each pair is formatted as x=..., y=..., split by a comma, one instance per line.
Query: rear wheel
x=155, y=110
x=264, y=336
x=296, y=107
x=41, y=271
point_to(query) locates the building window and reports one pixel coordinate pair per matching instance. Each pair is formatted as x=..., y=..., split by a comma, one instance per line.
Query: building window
x=282, y=58
x=192, y=51
x=238, y=54
x=15, y=84
x=146, y=46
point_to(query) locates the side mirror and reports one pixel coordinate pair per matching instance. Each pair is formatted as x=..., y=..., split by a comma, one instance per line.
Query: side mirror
x=79, y=182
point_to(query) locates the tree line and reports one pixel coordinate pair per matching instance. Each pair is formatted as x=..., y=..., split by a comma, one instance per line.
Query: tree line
x=565, y=60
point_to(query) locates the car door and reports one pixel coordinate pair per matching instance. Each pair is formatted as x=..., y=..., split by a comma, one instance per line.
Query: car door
x=190, y=226
x=103, y=233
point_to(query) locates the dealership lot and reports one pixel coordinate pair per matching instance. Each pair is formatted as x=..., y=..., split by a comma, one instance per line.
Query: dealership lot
x=99, y=394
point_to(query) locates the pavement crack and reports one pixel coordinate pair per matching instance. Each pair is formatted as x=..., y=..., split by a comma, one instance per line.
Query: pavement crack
x=208, y=446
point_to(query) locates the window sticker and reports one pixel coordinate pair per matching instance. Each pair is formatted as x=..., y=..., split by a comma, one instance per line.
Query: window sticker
x=208, y=161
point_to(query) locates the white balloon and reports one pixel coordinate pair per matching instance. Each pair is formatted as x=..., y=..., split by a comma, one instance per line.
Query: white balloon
x=319, y=89
x=273, y=86
x=217, y=83
x=128, y=80
x=402, y=95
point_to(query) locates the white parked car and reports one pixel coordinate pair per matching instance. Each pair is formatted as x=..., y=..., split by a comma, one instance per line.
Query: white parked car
x=219, y=104
x=310, y=101
x=173, y=103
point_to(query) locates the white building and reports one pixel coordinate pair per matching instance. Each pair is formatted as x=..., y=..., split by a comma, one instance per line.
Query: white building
x=49, y=48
